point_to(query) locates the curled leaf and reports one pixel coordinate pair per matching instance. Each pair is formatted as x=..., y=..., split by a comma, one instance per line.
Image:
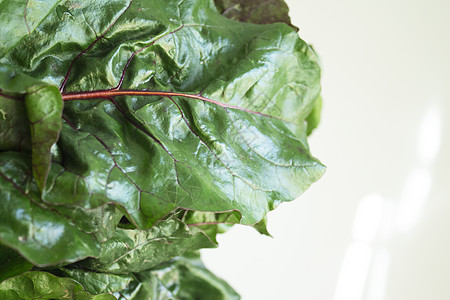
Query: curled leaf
x=44, y=109
x=43, y=285
x=139, y=250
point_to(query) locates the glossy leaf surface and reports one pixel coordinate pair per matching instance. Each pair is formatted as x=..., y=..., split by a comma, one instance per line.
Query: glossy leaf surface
x=19, y=19
x=44, y=107
x=132, y=251
x=153, y=154
x=210, y=223
x=97, y=283
x=182, y=278
x=266, y=12
x=11, y=263
x=14, y=125
x=42, y=233
x=209, y=130
x=43, y=285
x=14, y=132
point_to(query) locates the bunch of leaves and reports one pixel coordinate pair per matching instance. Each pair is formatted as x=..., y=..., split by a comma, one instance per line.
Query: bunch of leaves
x=133, y=132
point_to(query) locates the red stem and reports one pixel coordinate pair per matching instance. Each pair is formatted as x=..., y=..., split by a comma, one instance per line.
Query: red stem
x=105, y=94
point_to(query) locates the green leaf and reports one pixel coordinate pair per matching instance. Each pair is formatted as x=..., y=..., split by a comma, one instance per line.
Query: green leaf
x=14, y=128
x=176, y=118
x=185, y=278
x=11, y=263
x=97, y=283
x=19, y=19
x=14, y=131
x=251, y=11
x=46, y=234
x=219, y=127
x=261, y=227
x=43, y=285
x=138, y=250
x=13, y=82
x=313, y=119
x=199, y=155
x=210, y=223
x=182, y=278
x=44, y=107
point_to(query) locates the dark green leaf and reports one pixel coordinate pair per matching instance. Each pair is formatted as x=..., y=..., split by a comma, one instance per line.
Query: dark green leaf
x=152, y=155
x=44, y=107
x=14, y=127
x=99, y=222
x=19, y=19
x=11, y=263
x=43, y=285
x=49, y=235
x=261, y=227
x=14, y=130
x=98, y=283
x=138, y=250
x=217, y=137
x=40, y=232
x=258, y=12
x=210, y=223
x=15, y=83
x=182, y=278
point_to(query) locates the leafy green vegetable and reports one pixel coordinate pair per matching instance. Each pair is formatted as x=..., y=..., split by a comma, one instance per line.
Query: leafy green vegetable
x=44, y=109
x=97, y=283
x=41, y=234
x=132, y=251
x=14, y=133
x=133, y=132
x=267, y=12
x=314, y=117
x=185, y=278
x=11, y=263
x=42, y=285
x=21, y=18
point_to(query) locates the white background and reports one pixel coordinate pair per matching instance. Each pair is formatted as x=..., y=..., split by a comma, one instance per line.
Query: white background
x=377, y=225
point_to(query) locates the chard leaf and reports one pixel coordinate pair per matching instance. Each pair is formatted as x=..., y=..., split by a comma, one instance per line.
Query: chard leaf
x=14, y=127
x=11, y=263
x=44, y=107
x=47, y=235
x=43, y=285
x=19, y=19
x=15, y=83
x=176, y=118
x=211, y=224
x=182, y=278
x=153, y=154
x=98, y=283
x=314, y=117
x=219, y=126
x=14, y=132
x=138, y=250
x=268, y=12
